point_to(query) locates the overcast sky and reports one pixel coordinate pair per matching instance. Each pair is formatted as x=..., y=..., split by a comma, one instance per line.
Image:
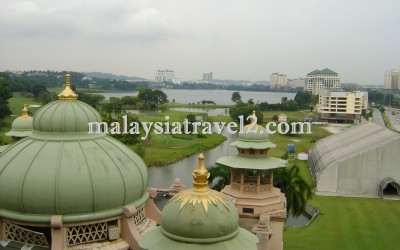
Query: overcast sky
x=246, y=39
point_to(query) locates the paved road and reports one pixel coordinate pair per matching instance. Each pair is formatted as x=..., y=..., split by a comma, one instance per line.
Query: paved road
x=377, y=118
x=394, y=119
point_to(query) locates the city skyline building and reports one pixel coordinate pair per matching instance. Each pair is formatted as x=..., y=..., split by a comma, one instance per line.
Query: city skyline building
x=392, y=79
x=318, y=81
x=166, y=76
x=277, y=80
x=208, y=76
x=296, y=83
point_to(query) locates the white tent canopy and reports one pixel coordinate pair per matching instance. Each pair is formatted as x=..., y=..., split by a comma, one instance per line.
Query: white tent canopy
x=356, y=161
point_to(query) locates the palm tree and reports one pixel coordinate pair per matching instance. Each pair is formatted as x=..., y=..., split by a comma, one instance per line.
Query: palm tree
x=220, y=176
x=295, y=188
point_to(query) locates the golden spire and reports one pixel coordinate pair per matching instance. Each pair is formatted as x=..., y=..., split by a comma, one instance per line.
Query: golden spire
x=25, y=110
x=200, y=175
x=67, y=93
x=200, y=193
x=252, y=120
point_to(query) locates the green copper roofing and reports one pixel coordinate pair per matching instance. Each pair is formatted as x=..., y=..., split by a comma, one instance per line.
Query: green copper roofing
x=253, y=136
x=325, y=71
x=3, y=148
x=156, y=240
x=255, y=145
x=22, y=126
x=199, y=218
x=259, y=163
x=53, y=175
x=192, y=224
x=65, y=116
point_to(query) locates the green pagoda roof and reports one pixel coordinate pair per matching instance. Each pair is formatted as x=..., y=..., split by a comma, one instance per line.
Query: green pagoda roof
x=325, y=71
x=259, y=163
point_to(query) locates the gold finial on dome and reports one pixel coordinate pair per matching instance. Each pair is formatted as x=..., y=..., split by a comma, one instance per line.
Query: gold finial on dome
x=200, y=193
x=25, y=110
x=67, y=93
x=200, y=174
x=252, y=120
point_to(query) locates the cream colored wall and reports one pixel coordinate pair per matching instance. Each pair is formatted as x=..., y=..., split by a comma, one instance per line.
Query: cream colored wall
x=276, y=241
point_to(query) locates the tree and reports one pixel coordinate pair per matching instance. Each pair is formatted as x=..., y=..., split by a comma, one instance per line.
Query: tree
x=45, y=97
x=130, y=139
x=220, y=176
x=295, y=188
x=145, y=95
x=107, y=108
x=5, y=94
x=236, y=97
x=250, y=101
x=191, y=119
x=129, y=100
x=37, y=88
x=93, y=100
x=159, y=97
x=245, y=110
x=116, y=105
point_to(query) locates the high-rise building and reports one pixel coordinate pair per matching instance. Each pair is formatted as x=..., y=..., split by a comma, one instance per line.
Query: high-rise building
x=277, y=80
x=318, y=81
x=208, y=76
x=342, y=106
x=165, y=76
x=392, y=79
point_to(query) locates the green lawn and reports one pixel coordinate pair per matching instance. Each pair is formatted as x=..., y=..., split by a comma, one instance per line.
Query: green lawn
x=348, y=223
x=163, y=149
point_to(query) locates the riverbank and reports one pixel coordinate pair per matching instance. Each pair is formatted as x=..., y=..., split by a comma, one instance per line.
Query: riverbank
x=162, y=150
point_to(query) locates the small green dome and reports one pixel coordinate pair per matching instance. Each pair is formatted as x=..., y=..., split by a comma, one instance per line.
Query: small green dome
x=200, y=214
x=199, y=218
x=254, y=133
x=254, y=136
x=22, y=126
x=192, y=223
x=65, y=116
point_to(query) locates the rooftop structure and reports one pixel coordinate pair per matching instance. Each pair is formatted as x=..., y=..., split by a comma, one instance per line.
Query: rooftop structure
x=199, y=218
x=62, y=188
x=22, y=126
x=318, y=81
x=251, y=186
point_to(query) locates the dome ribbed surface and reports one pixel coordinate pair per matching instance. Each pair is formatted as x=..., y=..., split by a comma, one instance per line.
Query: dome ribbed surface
x=62, y=175
x=191, y=222
x=65, y=116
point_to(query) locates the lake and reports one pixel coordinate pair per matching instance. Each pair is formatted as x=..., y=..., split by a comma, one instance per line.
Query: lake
x=163, y=177
x=222, y=97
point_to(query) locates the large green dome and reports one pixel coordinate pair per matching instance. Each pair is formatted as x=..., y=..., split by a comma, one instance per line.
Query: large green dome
x=60, y=169
x=63, y=174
